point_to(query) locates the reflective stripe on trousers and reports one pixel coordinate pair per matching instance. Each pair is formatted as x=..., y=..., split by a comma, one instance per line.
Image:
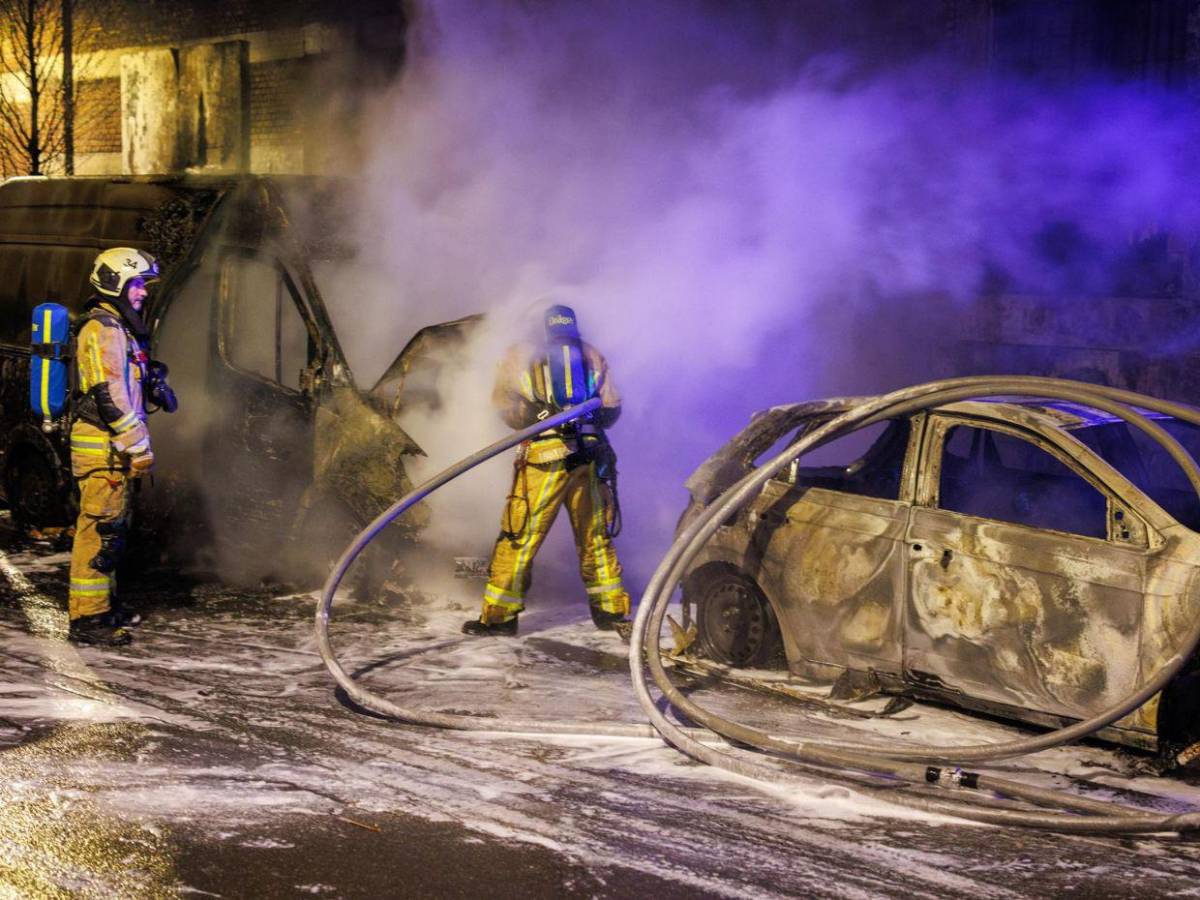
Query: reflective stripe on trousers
x=102, y=496
x=549, y=487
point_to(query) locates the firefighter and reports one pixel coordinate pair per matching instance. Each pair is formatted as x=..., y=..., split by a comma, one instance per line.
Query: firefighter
x=572, y=465
x=110, y=444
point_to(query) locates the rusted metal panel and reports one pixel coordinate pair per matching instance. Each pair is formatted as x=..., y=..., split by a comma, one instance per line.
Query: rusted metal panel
x=359, y=457
x=838, y=594
x=1005, y=614
x=735, y=459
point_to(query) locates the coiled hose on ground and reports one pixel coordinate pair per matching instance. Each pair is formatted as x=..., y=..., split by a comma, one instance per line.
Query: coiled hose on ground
x=369, y=700
x=922, y=778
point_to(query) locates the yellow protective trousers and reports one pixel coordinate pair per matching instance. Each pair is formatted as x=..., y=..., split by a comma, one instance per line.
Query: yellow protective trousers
x=103, y=487
x=539, y=491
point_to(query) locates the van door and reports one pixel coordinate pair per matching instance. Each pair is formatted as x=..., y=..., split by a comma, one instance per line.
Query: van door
x=1025, y=575
x=259, y=452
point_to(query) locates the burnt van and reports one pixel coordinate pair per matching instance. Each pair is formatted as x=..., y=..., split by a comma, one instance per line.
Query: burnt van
x=273, y=437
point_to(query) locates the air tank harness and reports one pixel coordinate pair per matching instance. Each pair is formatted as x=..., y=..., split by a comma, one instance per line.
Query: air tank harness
x=592, y=448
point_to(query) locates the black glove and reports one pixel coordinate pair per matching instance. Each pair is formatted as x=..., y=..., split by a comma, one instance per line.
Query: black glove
x=536, y=411
x=157, y=389
x=605, y=459
x=606, y=416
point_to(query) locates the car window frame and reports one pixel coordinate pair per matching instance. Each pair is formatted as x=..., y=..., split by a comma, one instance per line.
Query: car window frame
x=225, y=311
x=908, y=468
x=1148, y=499
x=1134, y=529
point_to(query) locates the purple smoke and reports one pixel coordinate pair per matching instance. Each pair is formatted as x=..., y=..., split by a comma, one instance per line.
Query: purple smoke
x=739, y=221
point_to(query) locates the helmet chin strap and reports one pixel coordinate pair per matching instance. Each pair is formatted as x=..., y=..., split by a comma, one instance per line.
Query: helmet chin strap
x=131, y=316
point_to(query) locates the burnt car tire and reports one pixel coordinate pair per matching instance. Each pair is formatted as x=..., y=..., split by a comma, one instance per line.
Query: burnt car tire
x=735, y=624
x=1179, y=719
x=33, y=491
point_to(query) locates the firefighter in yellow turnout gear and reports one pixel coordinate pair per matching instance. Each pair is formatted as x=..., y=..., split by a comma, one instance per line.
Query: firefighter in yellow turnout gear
x=572, y=466
x=110, y=443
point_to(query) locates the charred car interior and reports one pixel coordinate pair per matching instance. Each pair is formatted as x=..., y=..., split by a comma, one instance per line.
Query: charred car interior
x=1019, y=558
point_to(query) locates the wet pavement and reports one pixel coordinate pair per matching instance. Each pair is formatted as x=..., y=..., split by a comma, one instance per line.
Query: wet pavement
x=215, y=758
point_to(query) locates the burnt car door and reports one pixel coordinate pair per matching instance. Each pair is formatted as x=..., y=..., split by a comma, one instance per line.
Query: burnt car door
x=260, y=457
x=1026, y=573
x=827, y=543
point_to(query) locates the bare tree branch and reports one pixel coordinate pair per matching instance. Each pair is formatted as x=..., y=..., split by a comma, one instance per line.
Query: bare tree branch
x=38, y=107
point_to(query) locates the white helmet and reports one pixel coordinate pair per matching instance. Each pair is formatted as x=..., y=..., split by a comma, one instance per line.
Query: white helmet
x=113, y=269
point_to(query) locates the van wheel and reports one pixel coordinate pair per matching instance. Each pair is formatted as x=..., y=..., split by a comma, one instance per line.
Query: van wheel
x=735, y=624
x=32, y=490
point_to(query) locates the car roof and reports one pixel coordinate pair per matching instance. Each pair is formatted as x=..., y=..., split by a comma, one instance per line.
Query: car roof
x=1054, y=413
x=1045, y=412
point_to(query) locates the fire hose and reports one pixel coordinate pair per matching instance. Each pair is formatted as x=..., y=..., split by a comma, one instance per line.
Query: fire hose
x=382, y=705
x=928, y=779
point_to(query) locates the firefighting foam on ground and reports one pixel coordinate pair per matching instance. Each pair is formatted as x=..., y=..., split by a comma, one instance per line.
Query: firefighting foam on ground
x=692, y=221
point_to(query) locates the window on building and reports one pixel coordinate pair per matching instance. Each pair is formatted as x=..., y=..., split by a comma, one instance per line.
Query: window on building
x=266, y=333
x=993, y=475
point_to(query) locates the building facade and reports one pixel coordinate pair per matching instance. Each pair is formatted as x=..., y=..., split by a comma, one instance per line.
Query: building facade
x=232, y=85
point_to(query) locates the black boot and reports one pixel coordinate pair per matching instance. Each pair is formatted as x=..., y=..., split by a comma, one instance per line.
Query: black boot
x=124, y=617
x=499, y=629
x=607, y=621
x=100, y=630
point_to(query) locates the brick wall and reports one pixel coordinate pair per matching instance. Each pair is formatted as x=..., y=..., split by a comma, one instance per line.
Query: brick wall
x=275, y=100
x=171, y=22
x=277, y=118
x=288, y=40
x=98, y=116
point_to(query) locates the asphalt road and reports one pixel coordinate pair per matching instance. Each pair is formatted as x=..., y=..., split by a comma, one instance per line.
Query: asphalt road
x=214, y=758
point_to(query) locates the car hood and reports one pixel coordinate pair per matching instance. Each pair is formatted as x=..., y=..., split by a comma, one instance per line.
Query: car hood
x=401, y=383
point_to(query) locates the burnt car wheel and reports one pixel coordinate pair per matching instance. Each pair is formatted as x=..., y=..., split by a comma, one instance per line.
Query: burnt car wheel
x=735, y=624
x=32, y=490
x=1179, y=719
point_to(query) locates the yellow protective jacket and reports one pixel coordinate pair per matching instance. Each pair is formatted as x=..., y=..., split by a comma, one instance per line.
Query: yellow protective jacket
x=522, y=389
x=110, y=370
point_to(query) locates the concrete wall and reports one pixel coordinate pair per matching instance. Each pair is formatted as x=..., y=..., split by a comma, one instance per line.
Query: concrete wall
x=213, y=107
x=150, y=112
x=1119, y=341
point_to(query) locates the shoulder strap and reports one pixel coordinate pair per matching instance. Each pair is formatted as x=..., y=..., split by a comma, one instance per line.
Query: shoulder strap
x=94, y=314
x=102, y=316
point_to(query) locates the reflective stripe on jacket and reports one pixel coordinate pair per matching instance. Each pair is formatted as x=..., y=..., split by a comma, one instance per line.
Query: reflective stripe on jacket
x=110, y=375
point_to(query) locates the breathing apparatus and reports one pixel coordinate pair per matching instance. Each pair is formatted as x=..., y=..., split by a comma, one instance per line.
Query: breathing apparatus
x=158, y=391
x=54, y=392
x=566, y=374
x=568, y=381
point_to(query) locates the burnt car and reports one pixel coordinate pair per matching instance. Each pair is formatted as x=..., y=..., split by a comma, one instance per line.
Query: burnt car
x=274, y=438
x=1033, y=560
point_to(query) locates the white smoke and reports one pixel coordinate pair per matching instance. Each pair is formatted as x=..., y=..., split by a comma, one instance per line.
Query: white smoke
x=735, y=226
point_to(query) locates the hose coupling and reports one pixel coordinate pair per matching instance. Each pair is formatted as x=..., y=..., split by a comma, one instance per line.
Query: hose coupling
x=956, y=777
